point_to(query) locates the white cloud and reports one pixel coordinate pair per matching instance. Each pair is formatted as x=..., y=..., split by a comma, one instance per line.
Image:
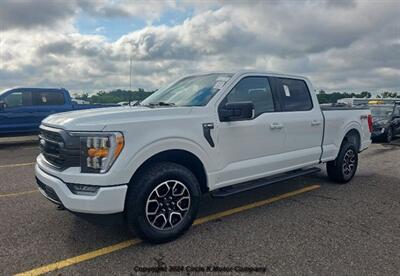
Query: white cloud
x=339, y=44
x=100, y=30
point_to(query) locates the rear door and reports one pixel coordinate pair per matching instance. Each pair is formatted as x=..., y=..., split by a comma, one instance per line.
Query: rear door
x=47, y=102
x=302, y=121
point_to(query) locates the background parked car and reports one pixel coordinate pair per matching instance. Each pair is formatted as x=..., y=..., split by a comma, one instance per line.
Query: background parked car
x=23, y=109
x=386, y=121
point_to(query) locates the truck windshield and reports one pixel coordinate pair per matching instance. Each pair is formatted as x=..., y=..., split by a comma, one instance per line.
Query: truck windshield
x=190, y=91
x=381, y=111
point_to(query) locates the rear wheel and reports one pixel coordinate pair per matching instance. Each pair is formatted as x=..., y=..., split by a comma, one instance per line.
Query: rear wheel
x=163, y=202
x=343, y=168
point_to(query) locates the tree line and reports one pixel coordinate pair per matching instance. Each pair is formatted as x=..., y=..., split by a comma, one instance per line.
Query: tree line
x=115, y=96
x=119, y=95
x=324, y=97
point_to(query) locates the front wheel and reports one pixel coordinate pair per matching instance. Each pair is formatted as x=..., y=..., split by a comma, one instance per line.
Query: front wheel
x=344, y=167
x=163, y=202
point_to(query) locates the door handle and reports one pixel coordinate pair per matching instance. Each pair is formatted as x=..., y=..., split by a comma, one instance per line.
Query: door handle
x=276, y=126
x=315, y=123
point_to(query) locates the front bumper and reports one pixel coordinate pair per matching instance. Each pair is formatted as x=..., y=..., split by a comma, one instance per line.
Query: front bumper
x=107, y=200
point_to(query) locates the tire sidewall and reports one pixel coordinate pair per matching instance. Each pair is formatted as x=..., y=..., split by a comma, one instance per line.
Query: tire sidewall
x=136, y=214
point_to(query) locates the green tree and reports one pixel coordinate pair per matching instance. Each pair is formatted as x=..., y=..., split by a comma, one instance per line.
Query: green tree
x=388, y=94
x=324, y=97
x=115, y=96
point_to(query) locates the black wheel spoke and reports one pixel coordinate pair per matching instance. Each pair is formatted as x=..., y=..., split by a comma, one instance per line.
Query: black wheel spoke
x=349, y=162
x=167, y=204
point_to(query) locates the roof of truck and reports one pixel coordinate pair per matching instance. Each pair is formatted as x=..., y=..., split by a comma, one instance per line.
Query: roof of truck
x=256, y=72
x=33, y=89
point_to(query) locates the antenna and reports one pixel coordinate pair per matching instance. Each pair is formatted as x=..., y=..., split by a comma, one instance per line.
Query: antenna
x=130, y=72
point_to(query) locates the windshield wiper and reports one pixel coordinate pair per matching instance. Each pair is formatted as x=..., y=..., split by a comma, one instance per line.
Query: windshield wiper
x=161, y=104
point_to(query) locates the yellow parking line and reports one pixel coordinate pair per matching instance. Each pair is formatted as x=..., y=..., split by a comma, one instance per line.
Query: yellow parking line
x=18, y=194
x=254, y=205
x=17, y=165
x=128, y=243
x=81, y=258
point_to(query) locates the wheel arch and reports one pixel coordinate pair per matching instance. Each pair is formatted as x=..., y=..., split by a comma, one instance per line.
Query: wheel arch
x=353, y=136
x=182, y=157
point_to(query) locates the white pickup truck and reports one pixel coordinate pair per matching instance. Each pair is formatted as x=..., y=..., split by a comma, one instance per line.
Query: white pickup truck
x=218, y=133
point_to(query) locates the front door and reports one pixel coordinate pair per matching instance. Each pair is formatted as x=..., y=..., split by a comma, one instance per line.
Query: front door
x=249, y=149
x=18, y=114
x=396, y=120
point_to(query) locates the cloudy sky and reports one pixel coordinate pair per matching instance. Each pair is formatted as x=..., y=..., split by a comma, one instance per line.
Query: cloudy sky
x=86, y=45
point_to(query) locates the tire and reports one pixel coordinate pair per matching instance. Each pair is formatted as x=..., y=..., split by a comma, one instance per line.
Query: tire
x=389, y=135
x=343, y=168
x=163, y=202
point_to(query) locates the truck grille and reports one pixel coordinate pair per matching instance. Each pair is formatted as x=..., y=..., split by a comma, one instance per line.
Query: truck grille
x=58, y=148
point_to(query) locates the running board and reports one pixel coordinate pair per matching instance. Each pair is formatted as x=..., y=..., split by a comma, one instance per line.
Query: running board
x=255, y=184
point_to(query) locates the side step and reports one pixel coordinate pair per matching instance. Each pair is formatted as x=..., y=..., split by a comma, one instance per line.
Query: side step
x=251, y=185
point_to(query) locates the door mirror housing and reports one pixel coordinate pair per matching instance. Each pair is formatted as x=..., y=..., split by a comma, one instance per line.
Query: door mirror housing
x=2, y=105
x=236, y=111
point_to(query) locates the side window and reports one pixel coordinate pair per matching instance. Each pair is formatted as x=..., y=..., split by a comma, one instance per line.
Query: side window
x=18, y=99
x=49, y=98
x=253, y=89
x=294, y=94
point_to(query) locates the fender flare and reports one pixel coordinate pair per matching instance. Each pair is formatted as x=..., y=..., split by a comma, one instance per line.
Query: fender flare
x=173, y=143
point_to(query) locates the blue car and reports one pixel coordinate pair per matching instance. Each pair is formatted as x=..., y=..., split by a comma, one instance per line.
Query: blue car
x=23, y=109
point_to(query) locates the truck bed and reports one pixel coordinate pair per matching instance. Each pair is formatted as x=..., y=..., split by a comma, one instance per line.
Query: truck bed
x=330, y=107
x=338, y=120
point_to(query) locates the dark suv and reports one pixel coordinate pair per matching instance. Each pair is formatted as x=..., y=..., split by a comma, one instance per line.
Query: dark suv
x=385, y=121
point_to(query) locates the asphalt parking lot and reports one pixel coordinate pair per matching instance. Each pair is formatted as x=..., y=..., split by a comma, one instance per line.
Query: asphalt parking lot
x=303, y=226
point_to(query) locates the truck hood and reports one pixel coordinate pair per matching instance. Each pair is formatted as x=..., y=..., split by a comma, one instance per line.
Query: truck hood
x=98, y=118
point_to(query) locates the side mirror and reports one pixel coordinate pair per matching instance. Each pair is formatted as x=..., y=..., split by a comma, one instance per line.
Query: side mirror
x=2, y=105
x=236, y=111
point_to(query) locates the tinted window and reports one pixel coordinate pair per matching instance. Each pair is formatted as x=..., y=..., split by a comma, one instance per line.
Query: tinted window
x=294, y=94
x=253, y=89
x=17, y=99
x=49, y=98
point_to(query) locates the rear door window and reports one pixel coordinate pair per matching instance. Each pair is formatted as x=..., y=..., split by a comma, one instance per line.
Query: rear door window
x=294, y=95
x=49, y=98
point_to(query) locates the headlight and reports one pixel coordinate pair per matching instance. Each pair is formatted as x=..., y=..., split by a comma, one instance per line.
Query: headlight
x=99, y=150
